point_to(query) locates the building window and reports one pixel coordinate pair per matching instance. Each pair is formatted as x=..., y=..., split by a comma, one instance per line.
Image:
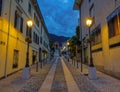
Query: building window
x=29, y=8
x=41, y=29
x=113, y=21
x=36, y=20
x=19, y=1
x=41, y=40
x=15, y=58
x=35, y=38
x=0, y=7
x=96, y=35
x=18, y=21
x=114, y=26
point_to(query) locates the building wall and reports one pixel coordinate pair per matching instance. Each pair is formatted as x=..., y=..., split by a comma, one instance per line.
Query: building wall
x=12, y=39
x=104, y=57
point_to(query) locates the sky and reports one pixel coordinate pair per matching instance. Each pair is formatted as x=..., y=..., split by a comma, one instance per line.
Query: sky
x=59, y=16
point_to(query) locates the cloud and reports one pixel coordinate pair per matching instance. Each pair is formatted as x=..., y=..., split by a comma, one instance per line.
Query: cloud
x=65, y=1
x=59, y=16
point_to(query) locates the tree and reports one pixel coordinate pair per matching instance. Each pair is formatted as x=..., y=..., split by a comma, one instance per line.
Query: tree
x=78, y=32
x=52, y=48
x=73, y=41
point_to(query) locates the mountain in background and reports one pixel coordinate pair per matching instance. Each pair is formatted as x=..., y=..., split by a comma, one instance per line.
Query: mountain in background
x=60, y=39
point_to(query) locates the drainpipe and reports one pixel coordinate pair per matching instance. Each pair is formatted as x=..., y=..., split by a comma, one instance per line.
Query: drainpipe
x=7, y=44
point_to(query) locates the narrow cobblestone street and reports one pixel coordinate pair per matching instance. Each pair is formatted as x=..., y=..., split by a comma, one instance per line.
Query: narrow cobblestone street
x=59, y=75
x=59, y=45
x=59, y=84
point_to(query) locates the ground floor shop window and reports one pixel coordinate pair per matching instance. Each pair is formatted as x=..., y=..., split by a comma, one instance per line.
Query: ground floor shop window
x=15, y=58
x=113, y=21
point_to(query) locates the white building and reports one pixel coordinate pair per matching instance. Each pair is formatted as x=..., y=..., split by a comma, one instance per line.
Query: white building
x=13, y=31
x=105, y=32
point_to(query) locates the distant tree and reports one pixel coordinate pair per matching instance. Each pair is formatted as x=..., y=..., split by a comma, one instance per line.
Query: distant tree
x=78, y=32
x=52, y=48
x=72, y=47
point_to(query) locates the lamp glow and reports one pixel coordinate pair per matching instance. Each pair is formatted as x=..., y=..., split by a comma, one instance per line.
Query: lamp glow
x=89, y=22
x=29, y=23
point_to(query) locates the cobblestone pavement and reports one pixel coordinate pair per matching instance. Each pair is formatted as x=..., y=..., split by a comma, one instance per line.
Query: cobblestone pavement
x=104, y=83
x=59, y=82
x=36, y=80
x=81, y=80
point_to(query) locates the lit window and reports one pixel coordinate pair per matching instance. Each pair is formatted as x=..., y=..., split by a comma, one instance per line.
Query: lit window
x=113, y=21
x=113, y=26
x=15, y=58
x=18, y=21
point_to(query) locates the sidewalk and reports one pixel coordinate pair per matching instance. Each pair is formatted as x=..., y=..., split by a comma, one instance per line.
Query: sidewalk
x=104, y=82
x=15, y=83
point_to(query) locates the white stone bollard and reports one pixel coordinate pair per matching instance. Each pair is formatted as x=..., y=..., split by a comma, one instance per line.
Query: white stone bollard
x=92, y=73
x=26, y=73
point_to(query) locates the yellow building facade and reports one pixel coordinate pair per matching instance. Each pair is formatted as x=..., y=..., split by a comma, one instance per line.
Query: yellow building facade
x=105, y=33
x=13, y=31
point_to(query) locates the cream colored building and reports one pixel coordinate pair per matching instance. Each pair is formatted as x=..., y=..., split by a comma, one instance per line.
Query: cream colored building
x=13, y=30
x=105, y=32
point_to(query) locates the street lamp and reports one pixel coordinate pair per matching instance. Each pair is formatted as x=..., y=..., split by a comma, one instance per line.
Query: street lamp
x=89, y=22
x=78, y=49
x=68, y=43
x=92, y=69
x=28, y=40
x=26, y=70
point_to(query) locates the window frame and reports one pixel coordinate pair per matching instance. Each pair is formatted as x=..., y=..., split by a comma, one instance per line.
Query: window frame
x=15, y=58
x=96, y=34
x=29, y=8
x=18, y=21
x=114, y=26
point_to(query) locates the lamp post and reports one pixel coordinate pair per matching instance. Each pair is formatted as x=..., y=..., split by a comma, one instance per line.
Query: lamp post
x=26, y=70
x=68, y=49
x=28, y=40
x=78, y=48
x=92, y=69
x=89, y=22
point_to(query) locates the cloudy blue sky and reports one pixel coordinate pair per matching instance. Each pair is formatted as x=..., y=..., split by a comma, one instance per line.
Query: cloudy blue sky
x=59, y=16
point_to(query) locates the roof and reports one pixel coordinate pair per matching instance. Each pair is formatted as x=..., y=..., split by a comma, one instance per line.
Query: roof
x=35, y=3
x=76, y=4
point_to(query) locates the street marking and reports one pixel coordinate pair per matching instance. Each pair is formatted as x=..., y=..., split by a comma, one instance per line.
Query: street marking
x=71, y=84
x=47, y=84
